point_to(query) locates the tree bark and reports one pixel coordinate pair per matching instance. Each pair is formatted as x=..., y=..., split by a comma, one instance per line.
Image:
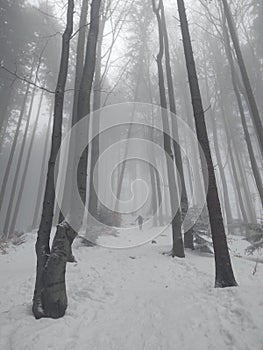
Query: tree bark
x=224, y=274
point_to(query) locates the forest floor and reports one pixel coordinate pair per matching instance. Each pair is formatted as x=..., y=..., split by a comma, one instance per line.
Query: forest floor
x=133, y=299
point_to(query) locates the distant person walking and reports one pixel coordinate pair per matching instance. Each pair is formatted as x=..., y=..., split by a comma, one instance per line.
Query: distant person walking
x=140, y=220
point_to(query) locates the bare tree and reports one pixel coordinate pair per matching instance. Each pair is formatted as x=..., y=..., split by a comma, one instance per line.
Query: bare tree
x=188, y=236
x=250, y=96
x=41, y=307
x=14, y=142
x=224, y=274
x=42, y=173
x=178, y=246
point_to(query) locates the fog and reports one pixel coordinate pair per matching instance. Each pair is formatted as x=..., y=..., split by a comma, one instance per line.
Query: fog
x=130, y=147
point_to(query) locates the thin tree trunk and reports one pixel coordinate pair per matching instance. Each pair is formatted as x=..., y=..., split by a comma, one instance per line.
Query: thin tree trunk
x=95, y=148
x=123, y=164
x=188, y=236
x=251, y=99
x=42, y=305
x=228, y=211
x=254, y=166
x=178, y=246
x=24, y=176
x=40, y=187
x=233, y=165
x=224, y=273
x=4, y=103
x=250, y=213
x=4, y=118
x=14, y=143
x=14, y=185
x=78, y=74
x=229, y=216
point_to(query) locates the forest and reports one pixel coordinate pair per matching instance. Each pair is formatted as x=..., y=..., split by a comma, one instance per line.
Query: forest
x=131, y=149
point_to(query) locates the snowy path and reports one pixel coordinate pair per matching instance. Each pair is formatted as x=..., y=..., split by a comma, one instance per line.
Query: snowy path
x=133, y=299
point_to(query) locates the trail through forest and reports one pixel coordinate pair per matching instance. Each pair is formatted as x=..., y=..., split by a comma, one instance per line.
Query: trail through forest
x=133, y=299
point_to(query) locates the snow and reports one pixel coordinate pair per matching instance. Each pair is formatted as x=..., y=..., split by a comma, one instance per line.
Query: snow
x=126, y=299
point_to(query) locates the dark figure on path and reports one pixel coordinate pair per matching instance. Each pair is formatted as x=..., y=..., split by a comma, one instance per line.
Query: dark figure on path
x=140, y=221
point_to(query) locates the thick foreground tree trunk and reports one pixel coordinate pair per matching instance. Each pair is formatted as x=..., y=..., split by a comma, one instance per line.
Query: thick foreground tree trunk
x=41, y=306
x=50, y=294
x=224, y=273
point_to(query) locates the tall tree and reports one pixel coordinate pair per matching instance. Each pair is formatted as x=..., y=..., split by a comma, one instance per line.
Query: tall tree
x=224, y=276
x=95, y=147
x=254, y=166
x=18, y=165
x=24, y=174
x=50, y=299
x=178, y=246
x=14, y=142
x=40, y=307
x=80, y=53
x=245, y=78
x=41, y=182
x=188, y=235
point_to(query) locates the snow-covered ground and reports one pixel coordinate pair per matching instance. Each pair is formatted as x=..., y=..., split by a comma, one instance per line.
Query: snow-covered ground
x=133, y=299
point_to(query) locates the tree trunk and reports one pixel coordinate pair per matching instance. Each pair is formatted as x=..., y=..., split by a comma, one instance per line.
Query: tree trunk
x=178, y=246
x=188, y=236
x=20, y=156
x=95, y=147
x=254, y=166
x=229, y=216
x=14, y=143
x=78, y=75
x=24, y=176
x=41, y=309
x=53, y=295
x=224, y=273
x=224, y=105
x=251, y=99
x=228, y=212
x=40, y=187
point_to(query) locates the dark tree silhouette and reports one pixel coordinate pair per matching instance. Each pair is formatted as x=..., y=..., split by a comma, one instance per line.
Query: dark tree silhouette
x=224, y=274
